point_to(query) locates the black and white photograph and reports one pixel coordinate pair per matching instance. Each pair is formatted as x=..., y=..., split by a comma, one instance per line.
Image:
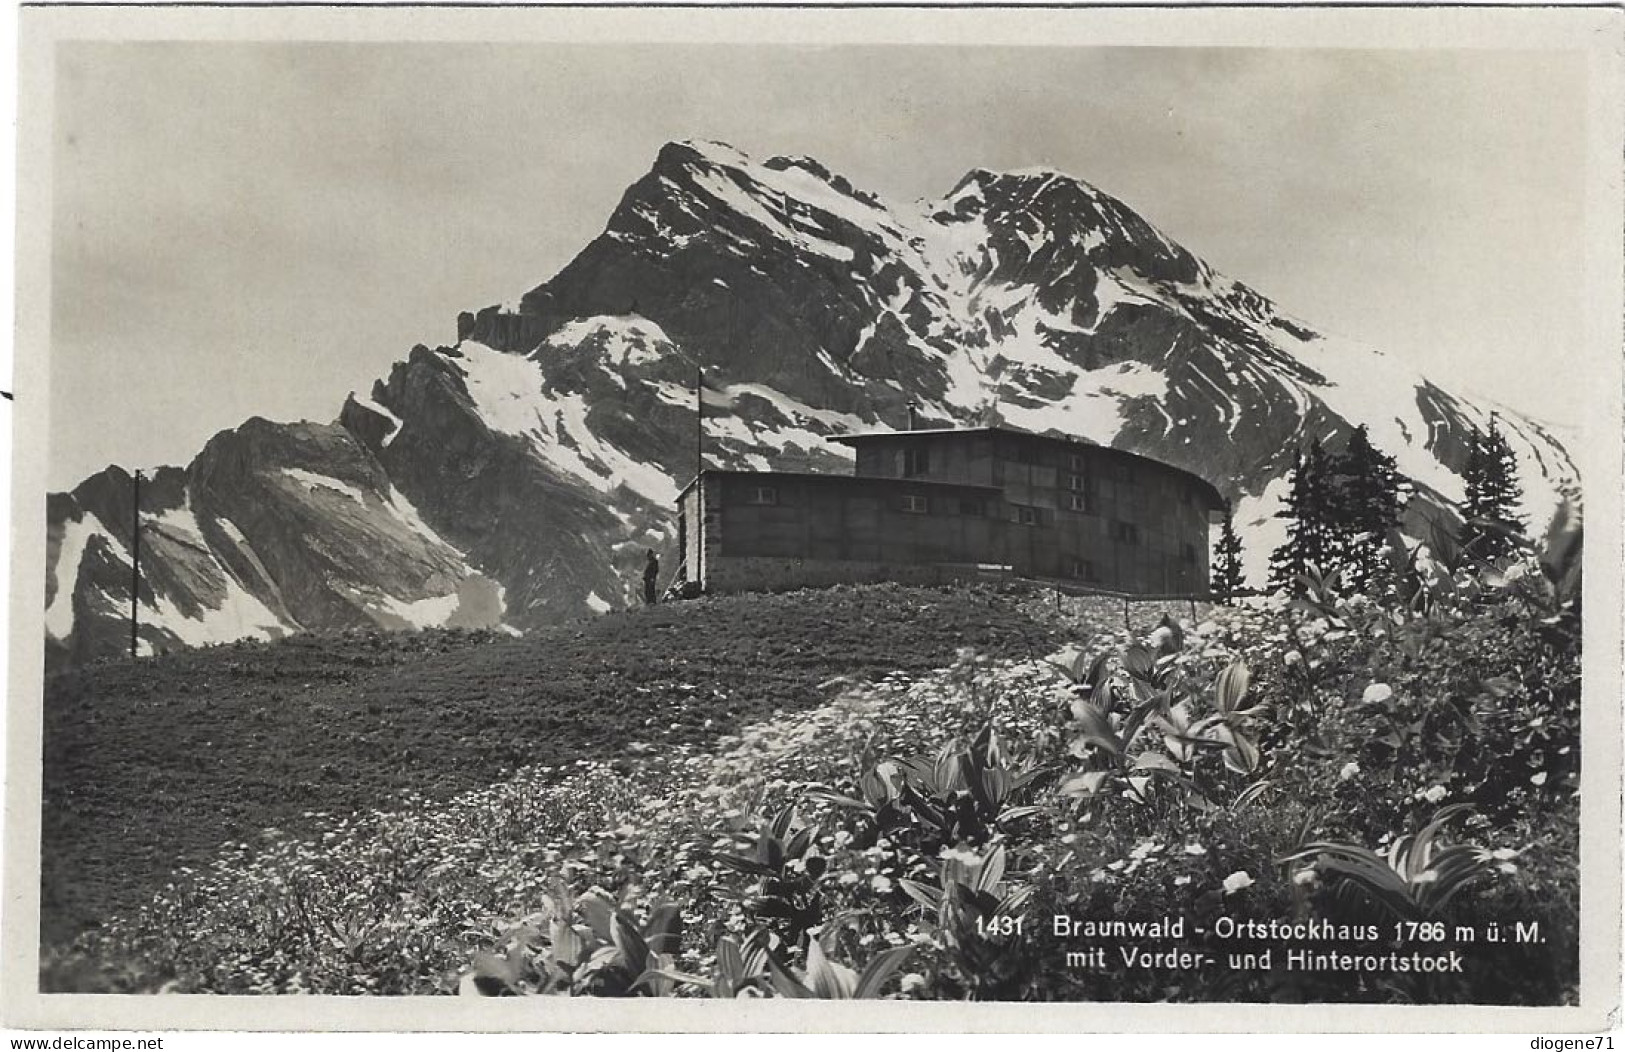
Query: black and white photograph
x=937, y=507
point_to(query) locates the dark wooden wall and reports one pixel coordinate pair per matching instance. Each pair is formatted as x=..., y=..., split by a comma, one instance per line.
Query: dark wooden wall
x=841, y=517
x=1143, y=528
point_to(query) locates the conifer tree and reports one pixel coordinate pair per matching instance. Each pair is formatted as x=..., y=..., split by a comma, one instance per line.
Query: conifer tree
x=1339, y=511
x=1364, y=505
x=1307, y=512
x=1227, y=564
x=1492, y=528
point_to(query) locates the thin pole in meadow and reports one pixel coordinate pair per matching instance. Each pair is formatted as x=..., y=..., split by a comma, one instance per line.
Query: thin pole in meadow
x=135, y=563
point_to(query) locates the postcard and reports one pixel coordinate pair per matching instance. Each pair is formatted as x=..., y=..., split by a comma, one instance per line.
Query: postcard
x=652, y=518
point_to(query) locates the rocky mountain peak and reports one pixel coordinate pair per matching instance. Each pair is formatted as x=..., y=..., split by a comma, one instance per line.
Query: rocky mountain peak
x=516, y=478
x=1061, y=222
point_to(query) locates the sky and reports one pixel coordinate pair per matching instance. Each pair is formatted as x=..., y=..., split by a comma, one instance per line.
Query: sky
x=257, y=229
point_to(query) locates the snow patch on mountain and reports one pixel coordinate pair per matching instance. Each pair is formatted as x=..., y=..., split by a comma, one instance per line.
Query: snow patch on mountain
x=739, y=200
x=798, y=411
x=509, y=393
x=235, y=534
x=1094, y=409
x=315, y=483
x=968, y=385
x=407, y=512
x=792, y=430
x=420, y=613
x=394, y=421
x=1255, y=519
x=233, y=614
x=796, y=426
x=795, y=204
x=237, y=615
x=1114, y=288
x=793, y=180
x=178, y=522
x=76, y=534
x=673, y=394
x=1366, y=387
x=628, y=339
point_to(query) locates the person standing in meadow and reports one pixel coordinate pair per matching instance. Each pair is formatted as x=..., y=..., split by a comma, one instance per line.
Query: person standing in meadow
x=651, y=577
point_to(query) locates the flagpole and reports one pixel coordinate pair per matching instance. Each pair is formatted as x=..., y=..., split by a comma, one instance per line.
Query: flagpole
x=697, y=571
x=135, y=563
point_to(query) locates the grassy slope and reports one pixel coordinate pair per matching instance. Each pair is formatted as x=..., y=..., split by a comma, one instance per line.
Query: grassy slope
x=152, y=765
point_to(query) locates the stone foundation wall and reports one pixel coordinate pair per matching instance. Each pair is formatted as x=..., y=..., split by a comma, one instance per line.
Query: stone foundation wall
x=763, y=574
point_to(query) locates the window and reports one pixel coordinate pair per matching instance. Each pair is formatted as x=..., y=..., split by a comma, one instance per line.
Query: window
x=916, y=461
x=1083, y=569
x=1026, y=514
x=1019, y=452
x=1189, y=553
x=1077, y=502
x=914, y=504
x=1075, y=461
x=763, y=495
x=1076, y=482
x=1126, y=533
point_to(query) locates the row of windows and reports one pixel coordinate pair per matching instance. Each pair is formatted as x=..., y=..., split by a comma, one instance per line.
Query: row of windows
x=1077, y=463
x=916, y=504
x=1022, y=514
x=916, y=462
x=913, y=503
x=1025, y=514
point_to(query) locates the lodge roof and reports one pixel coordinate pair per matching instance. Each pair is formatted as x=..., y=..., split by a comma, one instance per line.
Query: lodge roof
x=1003, y=429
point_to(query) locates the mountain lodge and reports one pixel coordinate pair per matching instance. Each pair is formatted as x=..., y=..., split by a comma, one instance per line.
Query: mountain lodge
x=938, y=505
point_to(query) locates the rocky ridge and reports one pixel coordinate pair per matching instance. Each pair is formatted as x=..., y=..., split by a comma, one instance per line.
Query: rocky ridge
x=513, y=478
